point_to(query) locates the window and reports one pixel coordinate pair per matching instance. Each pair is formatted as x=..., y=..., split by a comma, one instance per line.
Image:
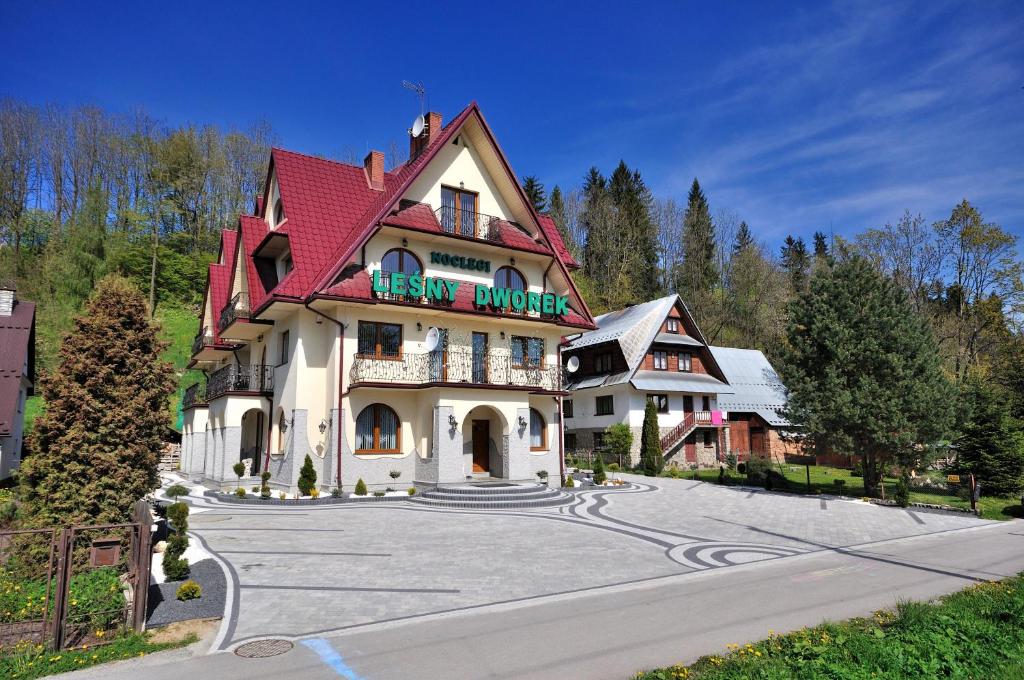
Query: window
x=605, y=406
x=598, y=441
x=538, y=431
x=380, y=340
x=283, y=349
x=685, y=362
x=707, y=437
x=660, y=402
x=287, y=264
x=458, y=211
x=570, y=441
x=509, y=277
x=278, y=212
x=567, y=408
x=672, y=325
x=377, y=430
x=527, y=352
x=660, y=360
x=603, y=362
x=398, y=260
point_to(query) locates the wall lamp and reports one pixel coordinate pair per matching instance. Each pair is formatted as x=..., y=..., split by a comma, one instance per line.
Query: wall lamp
x=522, y=421
x=419, y=326
x=451, y=421
x=324, y=424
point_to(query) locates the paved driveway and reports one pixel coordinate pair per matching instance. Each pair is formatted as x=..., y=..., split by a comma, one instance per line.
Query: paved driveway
x=310, y=570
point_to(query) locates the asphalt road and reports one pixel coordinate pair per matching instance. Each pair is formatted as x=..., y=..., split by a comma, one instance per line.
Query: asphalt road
x=616, y=631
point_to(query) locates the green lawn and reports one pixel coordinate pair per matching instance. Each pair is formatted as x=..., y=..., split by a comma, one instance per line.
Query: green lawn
x=26, y=660
x=178, y=326
x=823, y=481
x=975, y=633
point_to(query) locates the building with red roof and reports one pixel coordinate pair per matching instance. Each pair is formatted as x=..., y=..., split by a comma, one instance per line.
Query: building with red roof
x=378, y=321
x=17, y=373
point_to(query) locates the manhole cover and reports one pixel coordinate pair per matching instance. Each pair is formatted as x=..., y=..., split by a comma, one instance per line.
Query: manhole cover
x=263, y=648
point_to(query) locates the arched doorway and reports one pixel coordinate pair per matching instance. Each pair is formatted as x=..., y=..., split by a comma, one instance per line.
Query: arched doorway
x=483, y=436
x=251, y=446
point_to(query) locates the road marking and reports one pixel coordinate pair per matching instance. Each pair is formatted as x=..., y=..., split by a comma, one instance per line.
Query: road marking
x=824, y=505
x=916, y=518
x=330, y=656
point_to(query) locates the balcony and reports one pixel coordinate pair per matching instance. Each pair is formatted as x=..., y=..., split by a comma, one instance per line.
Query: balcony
x=470, y=224
x=195, y=395
x=206, y=348
x=254, y=379
x=455, y=367
x=235, y=322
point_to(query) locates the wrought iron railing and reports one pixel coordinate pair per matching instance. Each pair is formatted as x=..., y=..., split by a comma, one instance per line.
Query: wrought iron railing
x=203, y=339
x=253, y=378
x=459, y=366
x=194, y=394
x=472, y=224
x=236, y=308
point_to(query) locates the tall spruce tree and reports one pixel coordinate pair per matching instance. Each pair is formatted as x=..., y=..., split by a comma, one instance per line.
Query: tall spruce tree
x=651, y=460
x=697, y=276
x=635, y=249
x=796, y=262
x=744, y=239
x=94, y=451
x=535, y=192
x=863, y=370
x=991, y=443
x=556, y=209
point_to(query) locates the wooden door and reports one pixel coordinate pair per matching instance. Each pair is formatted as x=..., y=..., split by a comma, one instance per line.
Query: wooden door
x=757, y=441
x=481, y=448
x=687, y=404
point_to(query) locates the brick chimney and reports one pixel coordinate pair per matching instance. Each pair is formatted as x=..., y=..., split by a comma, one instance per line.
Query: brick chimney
x=6, y=298
x=431, y=131
x=373, y=164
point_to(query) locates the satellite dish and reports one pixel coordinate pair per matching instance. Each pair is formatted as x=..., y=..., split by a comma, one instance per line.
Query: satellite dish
x=417, y=126
x=432, y=339
x=573, y=364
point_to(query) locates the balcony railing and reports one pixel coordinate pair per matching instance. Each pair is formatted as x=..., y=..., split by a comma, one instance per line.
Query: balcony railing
x=236, y=308
x=471, y=224
x=455, y=366
x=254, y=378
x=204, y=339
x=194, y=395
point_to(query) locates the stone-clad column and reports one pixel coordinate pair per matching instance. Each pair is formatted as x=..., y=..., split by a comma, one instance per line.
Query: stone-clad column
x=447, y=445
x=519, y=446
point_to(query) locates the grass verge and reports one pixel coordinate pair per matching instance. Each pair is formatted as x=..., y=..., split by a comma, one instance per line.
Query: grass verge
x=823, y=481
x=27, y=660
x=975, y=633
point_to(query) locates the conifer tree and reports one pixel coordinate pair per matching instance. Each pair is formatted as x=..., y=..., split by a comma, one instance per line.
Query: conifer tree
x=651, y=460
x=697, y=276
x=94, y=451
x=535, y=192
x=744, y=239
x=863, y=370
x=991, y=443
x=307, y=477
x=556, y=208
x=635, y=249
x=820, y=245
x=796, y=262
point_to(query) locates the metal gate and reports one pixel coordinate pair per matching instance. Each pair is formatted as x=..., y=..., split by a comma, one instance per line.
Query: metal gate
x=64, y=586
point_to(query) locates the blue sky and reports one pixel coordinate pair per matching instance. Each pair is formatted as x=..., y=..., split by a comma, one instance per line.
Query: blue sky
x=796, y=118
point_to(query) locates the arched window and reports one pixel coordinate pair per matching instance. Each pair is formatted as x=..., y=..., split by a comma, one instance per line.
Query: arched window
x=398, y=260
x=509, y=277
x=538, y=431
x=378, y=430
x=278, y=212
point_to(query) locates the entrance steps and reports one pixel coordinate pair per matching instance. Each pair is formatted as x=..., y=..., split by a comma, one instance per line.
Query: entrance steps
x=493, y=496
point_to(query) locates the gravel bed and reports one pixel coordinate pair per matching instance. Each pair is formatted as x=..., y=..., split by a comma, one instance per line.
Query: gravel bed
x=164, y=608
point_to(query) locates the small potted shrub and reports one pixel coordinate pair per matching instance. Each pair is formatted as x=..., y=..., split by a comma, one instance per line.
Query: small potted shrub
x=360, y=487
x=542, y=475
x=395, y=474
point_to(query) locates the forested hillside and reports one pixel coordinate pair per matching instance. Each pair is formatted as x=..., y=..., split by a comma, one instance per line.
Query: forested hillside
x=84, y=192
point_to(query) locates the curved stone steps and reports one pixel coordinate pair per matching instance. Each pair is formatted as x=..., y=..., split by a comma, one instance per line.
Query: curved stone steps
x=483, y=497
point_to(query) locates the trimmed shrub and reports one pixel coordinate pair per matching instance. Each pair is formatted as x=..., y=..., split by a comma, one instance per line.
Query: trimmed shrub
x=732, y=460
x=314, y=493
x=175, y=568
x=176, y=490
x=189, y=590
x=378, y=494
x=336, y=492
x=412, y=490
x=255, y=489
x=542, y=475
x=282, y=495
x=569, y=483
x=265, y=477
x=307, y=477
x=599, y=476
x=650, y=443
x=395, y=474
x=902, y=493
x=239, y=469
x=240, y=492
x=839, y=484
x=613, y=467
x=265, y=492
x=177, y=513
x=360, y=487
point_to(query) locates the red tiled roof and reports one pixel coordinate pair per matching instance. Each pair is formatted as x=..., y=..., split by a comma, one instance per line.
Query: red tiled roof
x=551, y=231
x=17, y=340
x=420, y=217
x=253, y=230
x=220, y=282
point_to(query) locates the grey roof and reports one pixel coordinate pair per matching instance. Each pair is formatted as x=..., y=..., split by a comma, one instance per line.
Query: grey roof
x=677, y=339
x=674, y=381
x=757, y=386
x=598, y=381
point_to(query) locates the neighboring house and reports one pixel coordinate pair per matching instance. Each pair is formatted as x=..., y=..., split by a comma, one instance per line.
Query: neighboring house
x=710, y=400
x=405, y=321
x=17, y=373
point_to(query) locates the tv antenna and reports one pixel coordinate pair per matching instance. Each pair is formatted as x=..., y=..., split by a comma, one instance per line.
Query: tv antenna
x=420, y=91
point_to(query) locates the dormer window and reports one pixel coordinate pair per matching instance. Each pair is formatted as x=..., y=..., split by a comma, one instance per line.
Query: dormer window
x=672, y=326
x=278, y=213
